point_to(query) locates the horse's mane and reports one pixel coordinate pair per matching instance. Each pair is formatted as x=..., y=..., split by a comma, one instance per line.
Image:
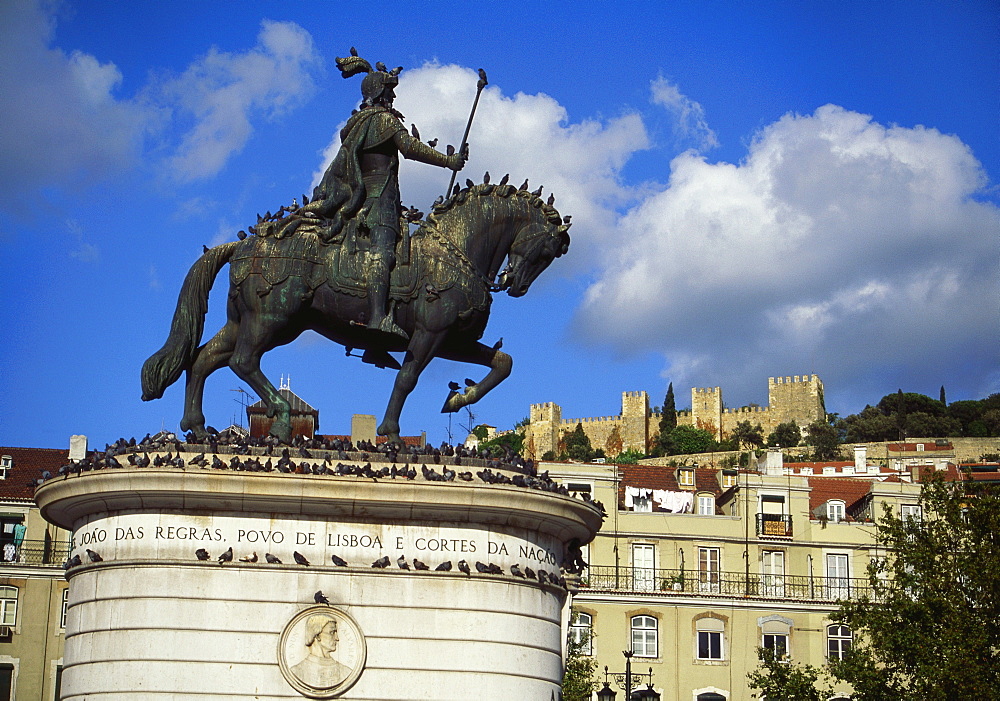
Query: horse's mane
x=495, y=190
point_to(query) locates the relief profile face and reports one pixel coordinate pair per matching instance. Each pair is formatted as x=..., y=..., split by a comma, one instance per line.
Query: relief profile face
x=321, y=652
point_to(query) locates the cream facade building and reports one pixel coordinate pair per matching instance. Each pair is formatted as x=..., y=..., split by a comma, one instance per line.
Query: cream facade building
x=743, y=560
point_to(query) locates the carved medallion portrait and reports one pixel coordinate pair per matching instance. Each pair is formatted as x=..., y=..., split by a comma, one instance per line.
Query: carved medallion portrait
x=321, y=652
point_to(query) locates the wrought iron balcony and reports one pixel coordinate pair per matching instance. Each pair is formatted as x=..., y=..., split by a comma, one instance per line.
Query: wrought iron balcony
x=34, y=553
x=721, y=584
x=774, y=526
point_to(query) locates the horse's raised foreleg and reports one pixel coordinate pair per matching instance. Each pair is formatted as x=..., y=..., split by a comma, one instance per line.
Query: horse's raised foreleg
x=423, y=347
x=209, y=358
x=497, y=361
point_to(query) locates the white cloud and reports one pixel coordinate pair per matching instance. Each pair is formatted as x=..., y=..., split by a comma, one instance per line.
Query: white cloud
x=63, y=125
x=527, y=136
x=222, y=92
x=690, y=125
x=838, y=245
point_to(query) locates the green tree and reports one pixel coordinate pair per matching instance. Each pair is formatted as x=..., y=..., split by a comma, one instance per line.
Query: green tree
x=785, y=435
x=578, y=682
x=668, y=421
x=824, y=439
x=688, y=439
x=869, y=426
x=928, y=629
x=745, y=434
x=778, y=679
x=628, y=457
x=578, y=445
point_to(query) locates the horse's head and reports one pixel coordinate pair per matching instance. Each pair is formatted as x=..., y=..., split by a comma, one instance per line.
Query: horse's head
x=535, y=246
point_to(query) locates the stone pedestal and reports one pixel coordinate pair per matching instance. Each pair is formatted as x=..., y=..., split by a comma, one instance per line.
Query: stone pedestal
x=151, y=620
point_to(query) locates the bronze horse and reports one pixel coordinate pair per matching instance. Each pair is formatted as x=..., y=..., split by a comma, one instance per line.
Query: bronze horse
x=280, y=287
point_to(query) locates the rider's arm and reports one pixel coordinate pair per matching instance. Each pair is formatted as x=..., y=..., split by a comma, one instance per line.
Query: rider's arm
x=416, y=150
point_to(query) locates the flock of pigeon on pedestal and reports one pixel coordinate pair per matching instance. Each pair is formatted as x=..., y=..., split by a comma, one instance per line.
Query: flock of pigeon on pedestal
x=317, y=457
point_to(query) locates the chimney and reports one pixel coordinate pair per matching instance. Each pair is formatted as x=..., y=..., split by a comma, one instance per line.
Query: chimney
x=77, y=448
x=774, y=463
x=861, y=459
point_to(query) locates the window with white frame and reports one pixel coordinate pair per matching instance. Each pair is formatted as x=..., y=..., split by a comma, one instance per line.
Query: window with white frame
x=685, y=478
x=581, y=633
x=8, y=606
x=837, y=576
x=643, y=569
x=643, y=503
x=709, y=569
x=836, y=510
x=772, y=570
x=711, y=638
x=706, y=504
x=910, y=512
x=6, y=462
x=838, y=641
x=775, y=635
x=728, y=480
x=644, y=636
x=65, y=608
x=778, y=642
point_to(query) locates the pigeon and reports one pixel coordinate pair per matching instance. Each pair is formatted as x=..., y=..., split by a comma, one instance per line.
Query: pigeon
x=443, y=567
x=402, y=563
x=481, y=568
x=551, y=201
x=300, y=558
x=486, y=178
x=469, y=184
x=463, y=566
x=338, y=561
x=251, y=558
x=469, y=382
x=524, y=185
x=413, y=130
x=504, y=179
x=226, y=556
x=499, y=344
x=382, y=562
x=418, y=565
x=205, y=249
x=74, y=561
x=516, y=571
x=538, y=192
x=379, y=66
x=271, y=559
x=201, y=554
x=530, y=572
x=432, y=143
x=94, y=557
x=354, y=52
x=320, y=598
x=453, y=386
x=241, y=234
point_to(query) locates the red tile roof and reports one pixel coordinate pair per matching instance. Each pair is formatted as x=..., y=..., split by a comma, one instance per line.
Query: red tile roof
x=929, y=445
x=850, y=490
x=663, y=477
x=27, y=467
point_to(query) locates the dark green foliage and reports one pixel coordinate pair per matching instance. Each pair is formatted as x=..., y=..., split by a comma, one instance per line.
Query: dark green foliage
x=918, y=416
x=824, y=439
x=744, y=434
x=785, y=435
x=688, y=439
x=629, y=457
x=668, y=422
x=779, y=679
x=578, y=445
x=513, y=440
x=578, y=678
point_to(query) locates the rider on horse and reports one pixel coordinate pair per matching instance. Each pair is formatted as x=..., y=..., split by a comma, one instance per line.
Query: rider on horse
x=360, y=188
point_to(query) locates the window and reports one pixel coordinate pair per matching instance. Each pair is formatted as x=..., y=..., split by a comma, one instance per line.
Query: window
x=910, y=512
x=8, y=607
x=709, y=569
x=838, y=641
x=644, y=636
x=643, y=503
x=581, y=632
x=6, y=681
x=6, y=462
x=728, y=480
x=772, y=569
x=685, y=478
x=710, y=638
x=777, y=642
x=835, y=510
x=643, y=572
x=837, y=582
x=706, y=504
x=579, y=487
x=65, y=608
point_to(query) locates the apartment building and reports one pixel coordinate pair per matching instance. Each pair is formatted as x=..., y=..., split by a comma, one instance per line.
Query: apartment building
x=698, y=567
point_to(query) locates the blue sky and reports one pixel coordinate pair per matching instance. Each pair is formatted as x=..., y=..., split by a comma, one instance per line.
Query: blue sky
x=757, y=189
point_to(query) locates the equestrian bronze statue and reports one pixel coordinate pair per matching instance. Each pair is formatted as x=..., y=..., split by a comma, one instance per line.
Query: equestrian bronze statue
x=345, y=265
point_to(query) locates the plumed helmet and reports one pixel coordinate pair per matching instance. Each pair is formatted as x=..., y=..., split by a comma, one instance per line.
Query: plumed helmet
x=375, y=82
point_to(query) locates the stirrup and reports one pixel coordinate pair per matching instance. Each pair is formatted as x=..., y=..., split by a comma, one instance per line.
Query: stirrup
x=380, y=359
x=387, y=325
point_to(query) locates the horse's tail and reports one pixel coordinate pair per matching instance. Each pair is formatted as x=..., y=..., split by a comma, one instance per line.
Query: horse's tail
x=166, y=365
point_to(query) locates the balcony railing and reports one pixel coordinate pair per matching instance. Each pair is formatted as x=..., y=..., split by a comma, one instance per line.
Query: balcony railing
x=722, y=584
x=34, y=553
x=774, y=526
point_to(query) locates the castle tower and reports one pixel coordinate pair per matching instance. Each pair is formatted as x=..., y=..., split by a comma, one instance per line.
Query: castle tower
x=635, y=420
x=542, y=432
x=796, y=398
x=706, y=409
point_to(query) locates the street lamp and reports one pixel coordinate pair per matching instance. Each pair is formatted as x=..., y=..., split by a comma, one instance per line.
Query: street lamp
x=607, y=693
x=624, y=681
